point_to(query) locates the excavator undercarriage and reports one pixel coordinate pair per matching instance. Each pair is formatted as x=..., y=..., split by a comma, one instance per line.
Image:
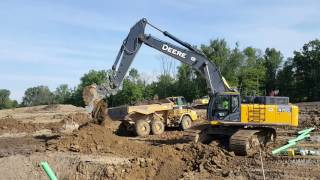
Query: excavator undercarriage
x=242, y=141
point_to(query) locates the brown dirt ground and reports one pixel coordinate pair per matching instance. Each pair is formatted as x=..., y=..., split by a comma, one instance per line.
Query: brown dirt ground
x=93, y=151
x=309, y=115
x=53, y=117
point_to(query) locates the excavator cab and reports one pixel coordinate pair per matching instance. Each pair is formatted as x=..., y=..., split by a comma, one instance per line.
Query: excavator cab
x=225, y=107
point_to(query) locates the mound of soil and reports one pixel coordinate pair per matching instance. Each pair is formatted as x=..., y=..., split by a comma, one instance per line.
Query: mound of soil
x=166, y=159
x=11, y=125
x=208, y=161
x=162, y=162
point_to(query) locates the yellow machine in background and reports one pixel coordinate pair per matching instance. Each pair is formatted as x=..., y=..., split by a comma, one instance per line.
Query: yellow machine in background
x=154, y=117
x=202, y=102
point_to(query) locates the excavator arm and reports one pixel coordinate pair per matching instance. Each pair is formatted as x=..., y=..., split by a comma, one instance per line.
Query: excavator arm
x=188, y=55
x=185, y=54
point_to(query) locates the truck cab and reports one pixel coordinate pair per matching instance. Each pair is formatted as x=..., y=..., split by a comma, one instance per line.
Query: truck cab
x=178, y=101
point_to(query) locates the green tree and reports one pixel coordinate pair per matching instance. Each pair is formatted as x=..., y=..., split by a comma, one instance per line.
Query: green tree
x=227, y=60
x=93, y=76
x=150, y=91
x=286, y=81
x=14, y=104
x=272, y=60
x=218, y=52
x=186, y=84
x=300, y=76
x=252, y=73
x=134, y=75
x=132, y=91
x=62, y=94
x=39, y=95
x=165, y=86
x=4, y=98
x=307, y=71
x=233, y=71
x=5, y=101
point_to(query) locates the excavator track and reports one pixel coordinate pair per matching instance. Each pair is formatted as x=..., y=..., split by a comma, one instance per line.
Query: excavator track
x=244, y=141
x=247, y=141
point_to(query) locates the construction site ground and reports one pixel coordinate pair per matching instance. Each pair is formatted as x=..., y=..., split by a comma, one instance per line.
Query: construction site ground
x=77, y=148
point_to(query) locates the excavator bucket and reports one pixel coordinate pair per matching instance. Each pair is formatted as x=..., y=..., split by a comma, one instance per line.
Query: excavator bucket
x=197, y=133
x=95, y=103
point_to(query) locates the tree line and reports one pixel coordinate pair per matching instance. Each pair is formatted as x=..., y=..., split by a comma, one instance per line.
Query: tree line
x=250, y=70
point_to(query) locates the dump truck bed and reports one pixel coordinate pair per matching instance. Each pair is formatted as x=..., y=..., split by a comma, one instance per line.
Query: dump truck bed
x=118, y=113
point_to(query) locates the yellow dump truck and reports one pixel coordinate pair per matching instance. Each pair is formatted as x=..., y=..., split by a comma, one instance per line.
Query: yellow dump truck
x=143, y=119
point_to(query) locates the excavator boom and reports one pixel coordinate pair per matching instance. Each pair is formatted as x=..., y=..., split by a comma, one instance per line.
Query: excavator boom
x=186, y=54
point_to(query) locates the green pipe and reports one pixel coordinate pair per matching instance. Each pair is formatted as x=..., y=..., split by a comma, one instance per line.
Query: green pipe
x=306, y=131
x=45, y=166
x=302, y=135
x=299, y=138
x=282, y=148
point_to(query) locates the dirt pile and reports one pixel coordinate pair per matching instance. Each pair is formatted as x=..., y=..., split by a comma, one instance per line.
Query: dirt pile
x=41, y=114
x=155, y=157
x=22, y=146
x=52, y=108
x=309, y=115
x=148, y=161
x=10, y=125
x=208, y=161
x=92, y=138
x=66, y=123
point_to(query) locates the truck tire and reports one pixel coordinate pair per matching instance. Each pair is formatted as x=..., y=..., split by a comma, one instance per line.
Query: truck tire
x=123, y=130
x=142, y=128
x=157, y=127
x=186, y=122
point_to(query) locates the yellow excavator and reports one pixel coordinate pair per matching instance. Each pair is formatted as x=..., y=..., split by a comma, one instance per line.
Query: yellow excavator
x=246, y=122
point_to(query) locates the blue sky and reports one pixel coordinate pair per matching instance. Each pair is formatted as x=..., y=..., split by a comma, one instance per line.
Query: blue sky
x=47, y=42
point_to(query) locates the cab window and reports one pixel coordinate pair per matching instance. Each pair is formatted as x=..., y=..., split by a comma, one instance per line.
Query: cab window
x=234, y=103
x=222, y=102
x=181, y=102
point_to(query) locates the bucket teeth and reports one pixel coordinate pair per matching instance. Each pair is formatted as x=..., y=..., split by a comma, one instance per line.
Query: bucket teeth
x=191, y=135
